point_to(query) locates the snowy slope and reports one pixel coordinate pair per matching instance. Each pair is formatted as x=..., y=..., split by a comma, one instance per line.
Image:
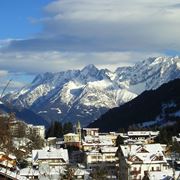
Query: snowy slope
x=85, y=94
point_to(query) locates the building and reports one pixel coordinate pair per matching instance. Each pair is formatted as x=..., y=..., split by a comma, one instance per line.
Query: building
x=51, y=156
x=105, y=157
x=136, y=161
x=36, y=130
x=7, y=161
x=72, y=139
x=139, y=137
x=78, y=130
x=18, y=128
x=21, y=129
x=95, y=142
x=111, y=135
x=91, y=132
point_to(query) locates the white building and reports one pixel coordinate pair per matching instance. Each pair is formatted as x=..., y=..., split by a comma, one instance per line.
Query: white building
x=136, y=161
x=72, y=139
x=53, y=157
x=139, y=137
x=105, y=157
x=95, y=142
x=91, y=132
x=36, y=130
x=18, y=127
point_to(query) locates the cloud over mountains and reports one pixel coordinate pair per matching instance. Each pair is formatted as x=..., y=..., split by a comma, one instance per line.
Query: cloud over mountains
x=103, y=32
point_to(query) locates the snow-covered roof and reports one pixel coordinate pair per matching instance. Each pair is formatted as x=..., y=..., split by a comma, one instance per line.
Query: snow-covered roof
x=106, y=149
x=148, y=153
x=9, y=156
x=50, y=154
x=6, y=163
x=91, y=129
x=163, y=175
x=11, y=174
x=81, y=172
x=42, y=170
x=142, y=133
x=29, y=172
x=71, y=134
x=17, y=142
x=100, y=141
x=2, y=153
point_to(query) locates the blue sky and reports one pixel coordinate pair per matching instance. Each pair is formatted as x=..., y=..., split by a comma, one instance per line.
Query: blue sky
x=37, y=36
x=16, y=15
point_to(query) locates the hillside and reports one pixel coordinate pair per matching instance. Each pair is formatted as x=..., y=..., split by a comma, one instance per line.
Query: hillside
x=158, y=107
x=24, y=115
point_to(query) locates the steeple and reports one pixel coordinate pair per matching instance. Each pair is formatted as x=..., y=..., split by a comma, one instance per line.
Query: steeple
x=78, y=129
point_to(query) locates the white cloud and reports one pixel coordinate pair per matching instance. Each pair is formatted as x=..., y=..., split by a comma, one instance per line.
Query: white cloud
x=106, y=25
x=3, y=73
x=38, y=62
x=107, y=33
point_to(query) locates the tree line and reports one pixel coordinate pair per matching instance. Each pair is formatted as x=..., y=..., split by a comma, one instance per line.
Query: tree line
x=57, y=129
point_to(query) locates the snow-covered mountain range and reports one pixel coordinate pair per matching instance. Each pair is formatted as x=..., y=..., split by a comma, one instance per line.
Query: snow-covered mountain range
x=85, y=94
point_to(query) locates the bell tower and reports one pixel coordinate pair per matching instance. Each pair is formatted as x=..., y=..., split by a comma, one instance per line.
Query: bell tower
x=78, y=129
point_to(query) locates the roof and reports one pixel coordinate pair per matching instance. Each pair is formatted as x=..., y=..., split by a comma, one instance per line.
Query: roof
x=90, y=129
x=50, y=154
x=44, y=168
x=29, y=172
x=142, y=133
x=163, y=175
x=81, y=172
x=148, y=153
x=100, y=140
x=71, y=134
x=106, y=149
x=11, y=174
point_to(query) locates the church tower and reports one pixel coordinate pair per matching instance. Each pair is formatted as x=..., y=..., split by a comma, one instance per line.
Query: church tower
x=78, y=129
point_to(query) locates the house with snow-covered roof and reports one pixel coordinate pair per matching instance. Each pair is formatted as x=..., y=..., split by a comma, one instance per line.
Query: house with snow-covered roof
x=136, y=161
x=51, y=156
x=139, y=137
x=89, y=142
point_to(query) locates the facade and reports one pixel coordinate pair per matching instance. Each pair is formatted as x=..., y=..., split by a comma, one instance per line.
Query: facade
x=20, y=128
x=7, y=161
x=136, y=161
x=39, y=131
x=104, y=158
x=17, y=128
x=72, y=139
x=91, y=132
x=36, y=130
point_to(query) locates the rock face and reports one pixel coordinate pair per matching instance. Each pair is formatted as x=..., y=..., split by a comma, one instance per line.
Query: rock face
x=86, y=94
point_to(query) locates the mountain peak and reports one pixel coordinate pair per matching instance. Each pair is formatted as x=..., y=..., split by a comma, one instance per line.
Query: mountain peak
x=90, y=67
x=89, y=70
x=87, y=93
